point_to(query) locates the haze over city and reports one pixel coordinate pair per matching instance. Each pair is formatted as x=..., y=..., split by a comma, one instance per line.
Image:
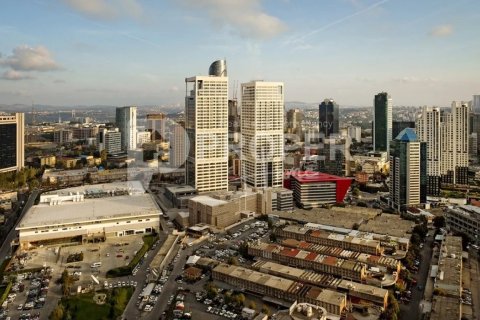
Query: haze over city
x=86, y=52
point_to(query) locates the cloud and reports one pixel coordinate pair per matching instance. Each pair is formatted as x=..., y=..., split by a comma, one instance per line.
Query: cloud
x=107, y=9
x=414, y=79
x=173, y=89
x=15, y=75
x=243, y=17
x=442, y=31
x=60, y=81
x=25, y=58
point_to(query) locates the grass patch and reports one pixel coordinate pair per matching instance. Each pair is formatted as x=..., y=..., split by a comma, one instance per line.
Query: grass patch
x=5, y=292
x=3, y=266
x=148, y=242
x=82, y=307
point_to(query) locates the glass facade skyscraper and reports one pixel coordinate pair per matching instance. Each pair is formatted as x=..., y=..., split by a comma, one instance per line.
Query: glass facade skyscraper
x=382, y=122
x=12, y=140
x=328, y=118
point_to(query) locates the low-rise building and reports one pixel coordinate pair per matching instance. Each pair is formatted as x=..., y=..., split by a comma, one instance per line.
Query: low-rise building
x=301, y=311
x=448, y=280
x=356, y=290
x=179, y=195
x=89, y=213
x=314, y=189
x=464, y=219
x=309, y=260
x=280, y=288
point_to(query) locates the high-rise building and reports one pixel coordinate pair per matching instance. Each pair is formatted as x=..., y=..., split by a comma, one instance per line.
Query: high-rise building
x=143, y=137
x=262, y=133
x=398, y=126
x=12, y=142
x=62, y=136
x=454, y=139
x=109, y=140
x=333, y=156
x=156, y=125
x=382, y=122
x=126, y=121
x=428, y=128
x=206, y=125
x=328, y=120
x=408, y=171
x=177, y=146
x=294, y=121
x=355, y=133
x=233, y=121
x=476, y=104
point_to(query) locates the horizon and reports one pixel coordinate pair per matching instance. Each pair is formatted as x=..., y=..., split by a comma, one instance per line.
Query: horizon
x=95, y=52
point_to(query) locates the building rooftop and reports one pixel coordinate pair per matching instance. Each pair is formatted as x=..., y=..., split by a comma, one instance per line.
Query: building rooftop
x=313, y=176
x=88, y=210
x=445, y=308
x=407, y=135
x=184, y=188
x=208, y=201
x=449, y=275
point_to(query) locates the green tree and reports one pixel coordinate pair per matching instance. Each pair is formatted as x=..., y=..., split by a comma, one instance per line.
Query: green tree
x=252, y=305
x=356, y=192
x=266, y=310
x=66, y=281
x=57, y=313
x=239, y=299
x=233, y=261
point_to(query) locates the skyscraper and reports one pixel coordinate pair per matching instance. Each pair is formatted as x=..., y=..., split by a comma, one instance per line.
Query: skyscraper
x=177, y=145
x=428, y=127
x=12, y=142
x=328, y=118
x=156, y=123
x=454, y=139
x=476, y=103
x=408, y=177
x=262, y=133
x=382, y=122
x=233, y=121
x=294, y=121
x=126, y=120
x=206, y=125
x=398, y=126
x=109, y=140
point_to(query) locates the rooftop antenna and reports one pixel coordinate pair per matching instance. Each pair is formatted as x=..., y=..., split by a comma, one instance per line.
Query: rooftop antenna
x=59, y=117
x=235, y=87
x=73, y=113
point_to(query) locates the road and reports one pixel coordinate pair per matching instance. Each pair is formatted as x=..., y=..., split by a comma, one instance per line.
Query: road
x=5, y=250
x=412, y=310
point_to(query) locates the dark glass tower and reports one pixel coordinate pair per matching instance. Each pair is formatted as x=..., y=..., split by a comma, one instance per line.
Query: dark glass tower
x=382, y=122
x=328, y=118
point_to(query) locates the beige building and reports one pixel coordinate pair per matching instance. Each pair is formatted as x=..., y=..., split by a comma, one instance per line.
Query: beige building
x=206, y=125
x=280, y=288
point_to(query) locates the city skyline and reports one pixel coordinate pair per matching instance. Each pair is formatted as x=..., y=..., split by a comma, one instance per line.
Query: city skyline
x=92, y=52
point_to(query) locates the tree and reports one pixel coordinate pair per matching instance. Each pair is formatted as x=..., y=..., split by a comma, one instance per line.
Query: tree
x=252, y=305
x=66, y=281
x=239, y=299
x=233, y=261
x=212, y=290
x=439, y=222
x=57, y=313
x=356, y=192
x=266, y=310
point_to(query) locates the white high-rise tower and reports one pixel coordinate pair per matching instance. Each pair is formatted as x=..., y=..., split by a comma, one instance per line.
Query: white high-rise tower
x=428, y=130
x=126, y=120
x=206, y=125
x=262, y=122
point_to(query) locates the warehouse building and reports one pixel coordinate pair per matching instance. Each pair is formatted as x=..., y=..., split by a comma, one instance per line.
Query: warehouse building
x=88, y=214
x=354, y=290
x=280, y=288
x=310, y=260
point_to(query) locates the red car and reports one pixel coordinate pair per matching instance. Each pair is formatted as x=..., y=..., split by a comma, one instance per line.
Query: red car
x=119, y=255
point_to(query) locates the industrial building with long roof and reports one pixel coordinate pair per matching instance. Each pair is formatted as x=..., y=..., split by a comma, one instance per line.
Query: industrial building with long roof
x=90, y=213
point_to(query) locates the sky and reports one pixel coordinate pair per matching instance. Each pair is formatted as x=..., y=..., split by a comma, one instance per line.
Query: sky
x=139, y=52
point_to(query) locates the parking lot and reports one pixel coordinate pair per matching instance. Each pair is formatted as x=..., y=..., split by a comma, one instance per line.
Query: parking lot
x=29, y=301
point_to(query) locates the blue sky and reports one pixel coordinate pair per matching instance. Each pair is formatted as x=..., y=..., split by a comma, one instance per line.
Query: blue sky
x=121, y=52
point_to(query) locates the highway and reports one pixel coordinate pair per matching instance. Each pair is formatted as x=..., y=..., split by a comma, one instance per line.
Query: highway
x=5, y=250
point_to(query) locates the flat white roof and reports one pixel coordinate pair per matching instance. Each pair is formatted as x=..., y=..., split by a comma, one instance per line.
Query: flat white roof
x=209, y=201
x=89, y=210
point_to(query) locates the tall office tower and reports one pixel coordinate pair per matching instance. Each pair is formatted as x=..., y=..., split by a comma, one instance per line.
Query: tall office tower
x=109, y=140
x=233, y=121
x=408, y=167
x=12, y=142
x=428, y=130
x=398, y=126
x=476, y=104
x=294, y=121
x=206, y=125
x=382, y=122
x=475, y=129
x=332, y=157
x=454, y=139
x=328, y=118
x=156, y=125
x=126, y=120
x=177, y=145
x=143, y=137
x=262, y=133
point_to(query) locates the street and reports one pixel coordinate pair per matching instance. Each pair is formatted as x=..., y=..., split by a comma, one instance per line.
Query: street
x=412, y=310
x=5, y=250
